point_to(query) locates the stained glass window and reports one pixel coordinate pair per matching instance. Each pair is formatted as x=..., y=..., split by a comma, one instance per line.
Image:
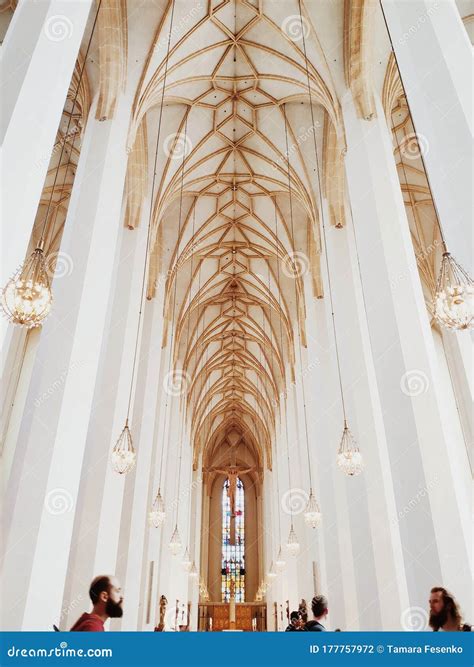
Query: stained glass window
x=233, y=554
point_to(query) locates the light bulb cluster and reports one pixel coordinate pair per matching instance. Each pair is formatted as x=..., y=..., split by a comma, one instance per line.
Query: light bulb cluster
x=157, y=514
x=175, y=543
x=349, y=458
x=26, y=298
x=292, y=544
x=453, y=301
x=123, y=456
x=312, y=513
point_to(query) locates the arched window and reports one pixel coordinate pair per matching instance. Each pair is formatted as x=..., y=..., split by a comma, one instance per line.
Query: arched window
x=233, y=546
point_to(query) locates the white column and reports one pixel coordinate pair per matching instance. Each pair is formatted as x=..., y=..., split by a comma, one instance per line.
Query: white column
x=38, y=58
x=435, y=59
x=46, y=472
x=431, y=496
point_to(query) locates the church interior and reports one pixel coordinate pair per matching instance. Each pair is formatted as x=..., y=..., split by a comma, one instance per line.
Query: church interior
x=237, y=304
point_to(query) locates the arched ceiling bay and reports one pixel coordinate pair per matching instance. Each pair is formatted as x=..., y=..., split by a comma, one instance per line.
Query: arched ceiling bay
x=231, y=245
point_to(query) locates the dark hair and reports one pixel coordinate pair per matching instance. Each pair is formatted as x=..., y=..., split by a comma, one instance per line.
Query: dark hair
x=293, y=615
x=449, y=603
x=319, y=604
x=98, y=586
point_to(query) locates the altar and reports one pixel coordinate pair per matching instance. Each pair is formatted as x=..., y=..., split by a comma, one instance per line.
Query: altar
x=216, y=617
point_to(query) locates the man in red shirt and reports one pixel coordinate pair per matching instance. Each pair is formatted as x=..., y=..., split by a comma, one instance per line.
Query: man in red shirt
x=107, y=600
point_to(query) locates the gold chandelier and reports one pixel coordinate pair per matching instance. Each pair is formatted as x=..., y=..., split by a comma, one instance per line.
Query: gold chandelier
x=349, y=458
x=292, y=543
x=123, y=455
x=157, y=514
x=312, y=514
x=27, y=297
x=175, y=543
x=453, y=301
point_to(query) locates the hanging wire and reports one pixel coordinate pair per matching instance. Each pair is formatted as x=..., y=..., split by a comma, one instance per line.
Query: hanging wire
x=297, y=306
x=281, y=348
x=187, y=344
x=147, y=258
x=175, y=286
x=321, y=208
x=66, y=135
x=438, y=220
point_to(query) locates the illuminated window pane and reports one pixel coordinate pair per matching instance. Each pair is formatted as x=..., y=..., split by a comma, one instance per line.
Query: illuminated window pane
x=233, y=558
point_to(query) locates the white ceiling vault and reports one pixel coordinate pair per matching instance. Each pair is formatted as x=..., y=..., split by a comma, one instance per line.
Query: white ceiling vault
x=235, y=257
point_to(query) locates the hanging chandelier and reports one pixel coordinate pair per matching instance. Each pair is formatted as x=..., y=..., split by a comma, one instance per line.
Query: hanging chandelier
x=349, y=458
x=453, y=301
x=193, y=573
x=280, y=562
x=312, y=513
x=292, y=544
x=186, y=562
x=157, y=514
x=175, y=542
x=130, y=458
x=123, y=455
x=271, y=574
x=27, y=297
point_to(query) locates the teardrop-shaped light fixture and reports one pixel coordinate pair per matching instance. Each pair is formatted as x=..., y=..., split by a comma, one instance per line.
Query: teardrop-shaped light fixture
x=186, y=562
x=271, y=574
x=349, y=458
x=292, y=544
x=175, y=542
x=157, y=514
x=280, y=562
x=27, y=298
x=123, y=455
x=193, y=573
x=453, y=301
x=312, y=513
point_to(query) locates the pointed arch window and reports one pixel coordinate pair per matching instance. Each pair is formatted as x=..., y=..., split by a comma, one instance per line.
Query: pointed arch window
x=233, y=542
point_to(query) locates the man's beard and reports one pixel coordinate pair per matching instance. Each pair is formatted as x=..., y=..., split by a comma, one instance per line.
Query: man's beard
x=438, y=620
x=113, y=609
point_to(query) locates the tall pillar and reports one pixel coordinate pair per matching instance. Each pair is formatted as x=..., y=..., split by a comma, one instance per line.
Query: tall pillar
x=36, y=78
x=46, y=472
x=435, y=59
x=434, y=525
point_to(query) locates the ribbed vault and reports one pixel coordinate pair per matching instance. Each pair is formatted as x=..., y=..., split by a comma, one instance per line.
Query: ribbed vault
x=226, y=239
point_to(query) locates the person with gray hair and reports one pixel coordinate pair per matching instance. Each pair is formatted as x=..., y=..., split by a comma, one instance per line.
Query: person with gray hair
x=319, y=606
